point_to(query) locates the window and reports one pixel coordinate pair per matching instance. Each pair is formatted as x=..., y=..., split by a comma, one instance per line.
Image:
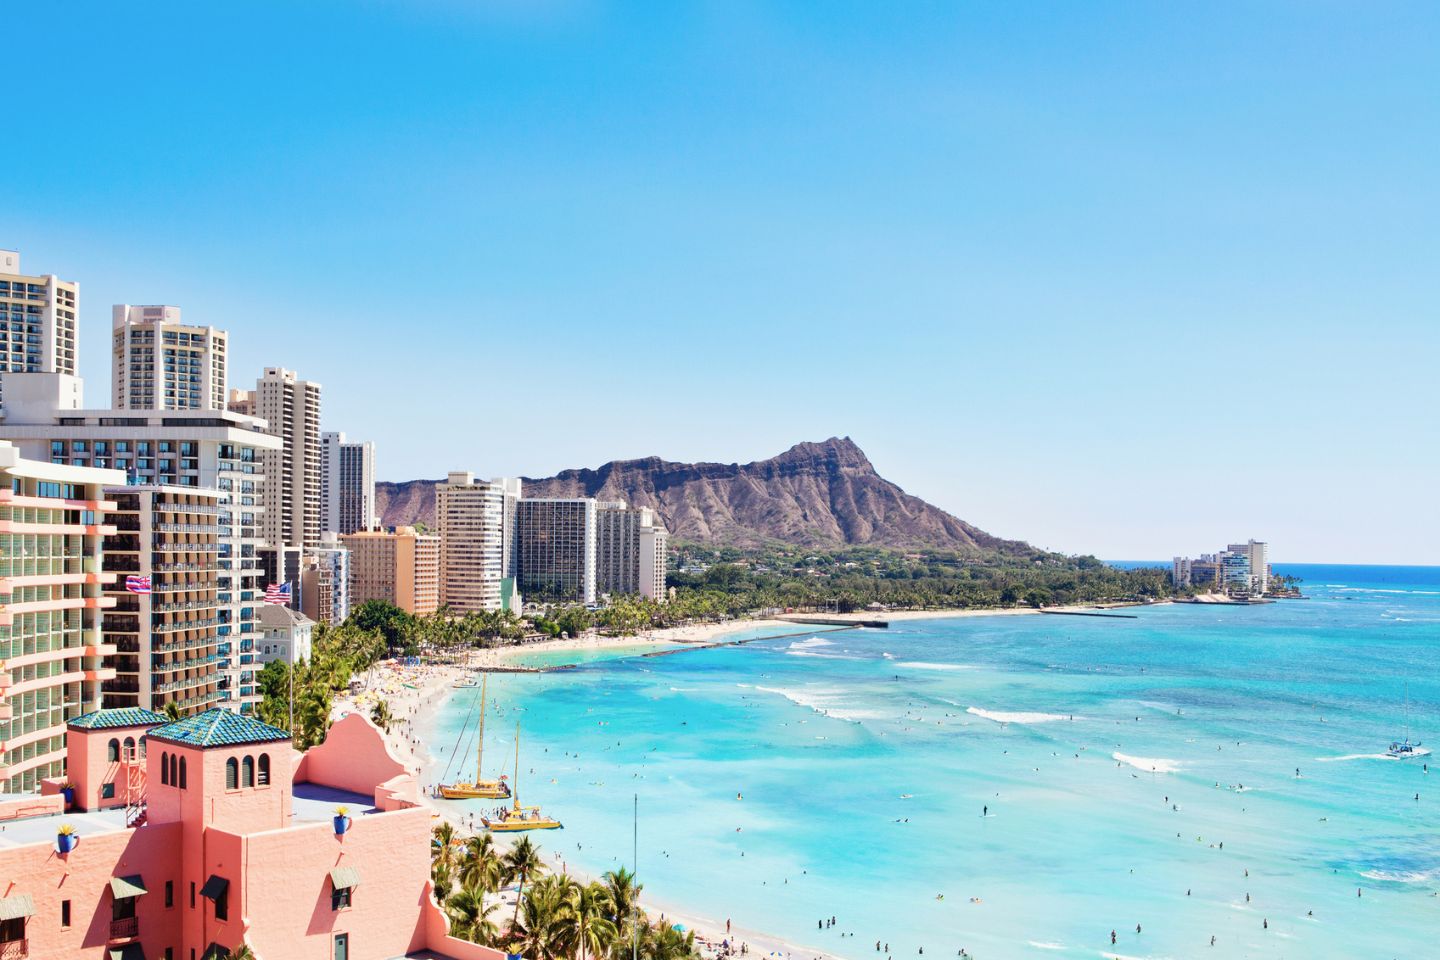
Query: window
x=174, y=770
x=247, y=772
x=129, y=749
x=232, y=774
x=264, y=780
x=12, y=931
x=114, y=750
x=165, y=769
x=340, y=898
x=122, y=908
x=65, y=914
x=192, y=904
x=169, y=894
x=182, y=773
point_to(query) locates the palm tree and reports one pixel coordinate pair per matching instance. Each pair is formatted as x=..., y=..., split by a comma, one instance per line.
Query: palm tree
x=442, y=843
x=481, y=863
x=541, y=931
x=172, y=709
x=242, y=952
x=624, y=896
x=522, y=861
x=381, y=715
x=470, y=916
x=661, y=941
x=588, y=918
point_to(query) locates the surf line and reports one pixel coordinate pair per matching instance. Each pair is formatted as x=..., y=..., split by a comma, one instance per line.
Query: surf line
x=736, y=643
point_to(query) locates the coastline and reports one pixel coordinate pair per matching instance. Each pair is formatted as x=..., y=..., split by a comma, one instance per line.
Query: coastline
x=417, y=695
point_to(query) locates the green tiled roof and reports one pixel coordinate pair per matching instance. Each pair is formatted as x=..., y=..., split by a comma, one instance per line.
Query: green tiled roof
x=119, y=717
x=218, y=728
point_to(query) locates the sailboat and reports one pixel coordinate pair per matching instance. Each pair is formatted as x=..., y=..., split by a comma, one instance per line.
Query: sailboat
x=1404, y=749
x=478, y=789
x=518, y=818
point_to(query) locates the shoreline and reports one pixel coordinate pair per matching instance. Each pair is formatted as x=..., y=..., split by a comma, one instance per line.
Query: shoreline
x=417, y=695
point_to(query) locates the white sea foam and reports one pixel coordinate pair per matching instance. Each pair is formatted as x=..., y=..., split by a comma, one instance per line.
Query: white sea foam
x=1003, y=717
x=1149, y=764
x=811, y=644
x=1041, y=945
x=824, y=701
x=925, y=665
x=1404, y=876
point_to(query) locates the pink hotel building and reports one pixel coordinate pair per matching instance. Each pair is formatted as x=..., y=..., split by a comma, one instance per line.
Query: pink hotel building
x=189, y=839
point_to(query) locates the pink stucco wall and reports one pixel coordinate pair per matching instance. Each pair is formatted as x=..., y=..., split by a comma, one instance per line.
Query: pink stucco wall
x=353, y=757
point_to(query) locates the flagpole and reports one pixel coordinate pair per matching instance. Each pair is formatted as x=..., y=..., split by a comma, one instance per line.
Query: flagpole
x=635, y=867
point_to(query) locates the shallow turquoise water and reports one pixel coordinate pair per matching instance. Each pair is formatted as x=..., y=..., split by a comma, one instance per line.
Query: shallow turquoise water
x=822, y=736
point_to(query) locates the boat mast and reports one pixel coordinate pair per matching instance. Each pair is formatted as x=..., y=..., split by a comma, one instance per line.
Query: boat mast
x=516, y=789
x=480, y=747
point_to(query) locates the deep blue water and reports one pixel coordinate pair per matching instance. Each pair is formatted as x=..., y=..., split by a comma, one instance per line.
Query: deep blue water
x=1115, y=757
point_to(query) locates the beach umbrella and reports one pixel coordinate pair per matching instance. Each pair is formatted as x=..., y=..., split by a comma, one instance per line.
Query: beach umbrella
x=679, y=927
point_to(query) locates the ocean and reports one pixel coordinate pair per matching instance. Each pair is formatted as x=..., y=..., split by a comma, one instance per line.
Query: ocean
x=1020, y=786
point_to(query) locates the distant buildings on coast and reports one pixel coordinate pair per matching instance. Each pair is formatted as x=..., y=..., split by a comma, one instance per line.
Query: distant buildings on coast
x=1240, y=570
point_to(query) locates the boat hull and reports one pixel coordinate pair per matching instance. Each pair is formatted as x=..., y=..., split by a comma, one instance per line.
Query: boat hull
x=474, y=791
x=519, y=826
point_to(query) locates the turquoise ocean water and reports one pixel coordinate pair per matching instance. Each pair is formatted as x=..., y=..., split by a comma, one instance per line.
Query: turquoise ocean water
x=865, y=759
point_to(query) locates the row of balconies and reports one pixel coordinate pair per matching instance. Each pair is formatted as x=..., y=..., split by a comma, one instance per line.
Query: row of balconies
x=161, y=666
x=184, y=605
x=184, y=625
x=192, y=644
x=188, y=683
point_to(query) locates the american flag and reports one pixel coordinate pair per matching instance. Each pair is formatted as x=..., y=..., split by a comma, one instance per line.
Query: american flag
x=278, y=593
x=137, y=584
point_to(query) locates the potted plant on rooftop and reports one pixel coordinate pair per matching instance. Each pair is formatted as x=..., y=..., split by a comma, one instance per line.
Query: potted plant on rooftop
x=342, y=820
x=65, y=839
x=67, y=790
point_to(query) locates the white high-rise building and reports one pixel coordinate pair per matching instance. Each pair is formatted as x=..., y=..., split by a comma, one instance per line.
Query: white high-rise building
x=471, y=516
x=160, y=363
x=1257, y=556
x=37, y=321
x=347, y=484
x=630, y=551
x=290, y=408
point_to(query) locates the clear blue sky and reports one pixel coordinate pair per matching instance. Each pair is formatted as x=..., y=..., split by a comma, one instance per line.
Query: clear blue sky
x=1131, y=279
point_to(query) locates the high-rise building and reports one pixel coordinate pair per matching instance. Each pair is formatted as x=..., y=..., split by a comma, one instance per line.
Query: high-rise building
x=555, y=550
x=325, y=582
x=474, y=549
x=399, y=566
x=1180, y=571
x=165, y=623
x=626, y=551
x=160, y=363
x=52, y=652
x=290, y=408
x=347, y=484
x=37, y=321
x=206, y=449
x=1257, y=558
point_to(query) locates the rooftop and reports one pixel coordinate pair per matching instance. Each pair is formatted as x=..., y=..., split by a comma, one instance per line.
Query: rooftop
x=218, y=728
x=42, y=828
x=315, y=802
x=118, y=717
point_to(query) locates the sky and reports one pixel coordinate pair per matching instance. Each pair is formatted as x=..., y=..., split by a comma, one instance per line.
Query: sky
x=1125, y=279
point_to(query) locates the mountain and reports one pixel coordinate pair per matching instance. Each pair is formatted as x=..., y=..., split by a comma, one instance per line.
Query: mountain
x=814, y=494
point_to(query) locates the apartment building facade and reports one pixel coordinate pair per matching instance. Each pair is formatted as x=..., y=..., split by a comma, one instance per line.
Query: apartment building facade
x=347, y=484
x=201, y=449
x=37, y=321
x=325, y=582
x=555, y=550
x=160, y=363
x=53, y=655
x=165, y=622
x=399, y=566
x=472, y=517
x=290, y=409
x=630, y=551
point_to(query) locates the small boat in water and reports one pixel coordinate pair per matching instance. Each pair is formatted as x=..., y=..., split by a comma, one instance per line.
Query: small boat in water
x=518, y=819
x=478, y=789
x=1404, y=749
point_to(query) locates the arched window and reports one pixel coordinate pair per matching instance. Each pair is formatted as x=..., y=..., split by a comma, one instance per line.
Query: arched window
x=264, y=780
x=165, y=769
x=114, y=751
x=142, y=747
x=174, y=770
x=247, y=772
x=129, y=749
x=182, y=773
x=232, y=774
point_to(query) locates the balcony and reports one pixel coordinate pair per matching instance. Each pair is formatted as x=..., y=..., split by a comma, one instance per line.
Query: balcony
x=126, y=929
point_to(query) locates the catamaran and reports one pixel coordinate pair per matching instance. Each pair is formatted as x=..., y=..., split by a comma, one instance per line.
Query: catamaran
x=519, y=818
x=1404, y=749
x=478, y=789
